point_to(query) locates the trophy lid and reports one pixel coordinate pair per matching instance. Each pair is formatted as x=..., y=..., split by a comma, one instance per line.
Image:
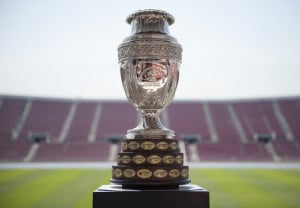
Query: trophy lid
x=151, y=13
x=150, y=21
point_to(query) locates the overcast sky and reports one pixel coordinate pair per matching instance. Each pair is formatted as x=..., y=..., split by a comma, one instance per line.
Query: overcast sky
x=231, y=49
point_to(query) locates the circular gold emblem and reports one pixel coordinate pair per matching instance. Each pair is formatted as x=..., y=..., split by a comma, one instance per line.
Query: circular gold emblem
x=179, y=159
x=154, y=159
x=138, y=159
x=173, y=146
x=174, y=173
x=129, y=173
x=119, y=159
x=160, y=173
x=126, y=159
x=133, y=145
x=168, y=159
x=184, y=173
x=124, y=145
x=148, y=145
x=162, y=145
x=144, y=173
x=118, y=172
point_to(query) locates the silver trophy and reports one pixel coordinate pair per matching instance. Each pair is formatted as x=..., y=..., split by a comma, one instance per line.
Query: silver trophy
x=149, y=62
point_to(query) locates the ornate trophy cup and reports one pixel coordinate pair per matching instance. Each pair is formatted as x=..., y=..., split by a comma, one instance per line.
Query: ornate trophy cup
x=150, y=171
x=149, y=63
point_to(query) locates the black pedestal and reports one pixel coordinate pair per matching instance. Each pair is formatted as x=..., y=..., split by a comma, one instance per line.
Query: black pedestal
x=187, y=196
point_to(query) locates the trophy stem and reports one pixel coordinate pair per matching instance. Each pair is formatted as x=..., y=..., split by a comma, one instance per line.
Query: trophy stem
x=150, y=120
x=150, y=125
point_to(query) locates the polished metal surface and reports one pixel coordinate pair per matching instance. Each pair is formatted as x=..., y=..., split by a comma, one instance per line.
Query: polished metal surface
x=149, y=63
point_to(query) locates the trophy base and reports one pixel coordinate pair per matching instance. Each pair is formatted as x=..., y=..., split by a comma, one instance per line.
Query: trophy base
x=114, y=196
x=150, y=162
x=151, y=184
x=150, y=175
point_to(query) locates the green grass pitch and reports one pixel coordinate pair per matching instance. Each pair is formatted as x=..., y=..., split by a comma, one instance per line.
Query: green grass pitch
x=73, y=187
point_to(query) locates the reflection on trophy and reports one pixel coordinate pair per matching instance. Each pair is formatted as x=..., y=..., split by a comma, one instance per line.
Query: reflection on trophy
x=149, y=63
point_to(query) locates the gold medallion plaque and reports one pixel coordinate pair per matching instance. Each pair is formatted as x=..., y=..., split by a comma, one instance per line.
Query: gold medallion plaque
x=168, y=159
x=179, y=159
x=133, y=145
x=160, y=173
x=144, y=173
x=148, y=145
x=126, y=159
x=162, y=145
x=129, y=173
x=138, y=159
x=173, y=146
x=154, y=159
x=184, y=173
x=174, y=173
x=117, y=172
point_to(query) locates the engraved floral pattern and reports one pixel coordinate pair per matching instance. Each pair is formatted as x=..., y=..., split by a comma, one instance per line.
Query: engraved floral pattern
x=150, y=49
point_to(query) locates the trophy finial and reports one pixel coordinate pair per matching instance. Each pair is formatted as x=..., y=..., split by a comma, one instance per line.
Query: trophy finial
x=148, y=13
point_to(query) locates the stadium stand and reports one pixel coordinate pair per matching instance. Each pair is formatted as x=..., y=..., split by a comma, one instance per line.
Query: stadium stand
x=224, y=123
x=291, y=110
x=82, y=121
x=10, y=111
x=44, y=129
x=116, y=118
x=72, y=152
x=46, y=117
x=187, y=118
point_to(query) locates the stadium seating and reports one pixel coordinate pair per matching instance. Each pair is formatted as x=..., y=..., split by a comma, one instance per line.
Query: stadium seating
x=116, y=118
x=72, y=152
x=288, y=151
x=270, y=120
x=224, y=124
x=11, y=151
x=81, y=124
x=44, y=129
x=187, y=118
x=46, y=117
x=10, y=112
x=251, y=119
x=291, y=111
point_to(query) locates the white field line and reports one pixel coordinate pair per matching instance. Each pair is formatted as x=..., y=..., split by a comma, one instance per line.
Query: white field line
x=56, y=165
x=245, y=165
x=108, y=165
